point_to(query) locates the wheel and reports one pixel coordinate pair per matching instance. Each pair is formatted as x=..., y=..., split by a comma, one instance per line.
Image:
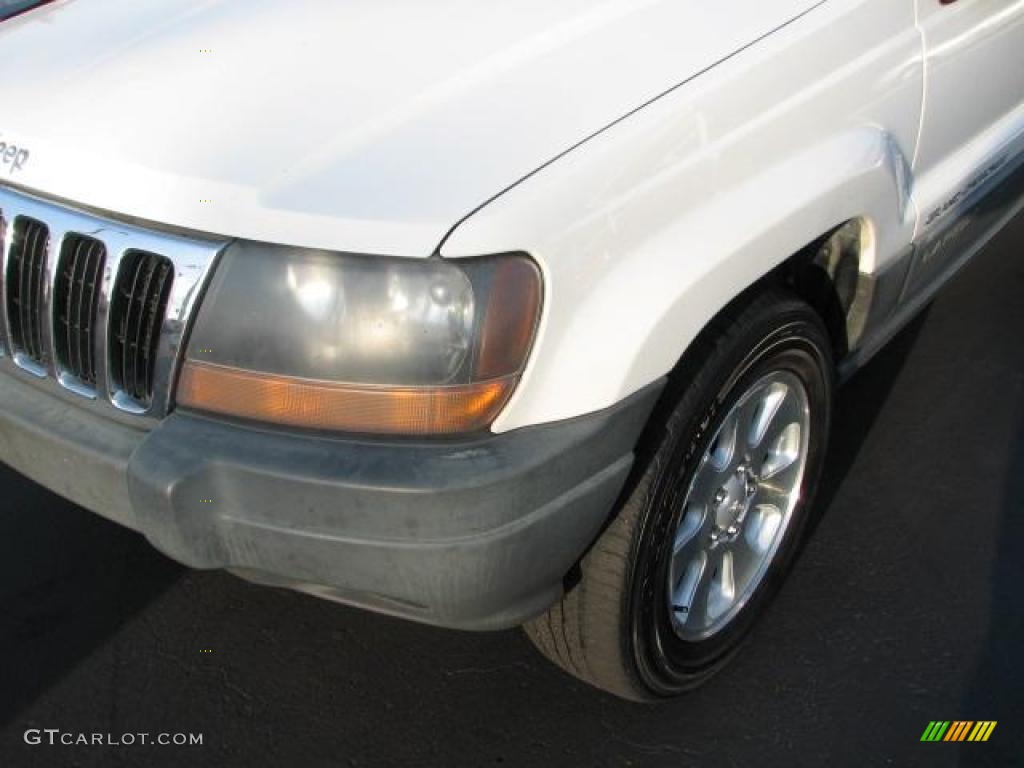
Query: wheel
x=716, y=510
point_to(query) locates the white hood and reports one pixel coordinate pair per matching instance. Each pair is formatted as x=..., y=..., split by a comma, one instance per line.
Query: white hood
x=358, y=125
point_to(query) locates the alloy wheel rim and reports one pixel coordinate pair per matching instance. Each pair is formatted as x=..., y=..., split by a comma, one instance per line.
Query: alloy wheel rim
x=738, y=506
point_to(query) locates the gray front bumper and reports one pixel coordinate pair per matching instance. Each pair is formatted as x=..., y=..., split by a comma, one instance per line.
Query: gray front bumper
x=476, y=533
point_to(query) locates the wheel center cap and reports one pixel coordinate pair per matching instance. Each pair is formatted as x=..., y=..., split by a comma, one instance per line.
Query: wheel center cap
x=733, y=505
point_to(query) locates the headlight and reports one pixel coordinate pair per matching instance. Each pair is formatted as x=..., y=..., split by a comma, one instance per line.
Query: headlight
x=361, y=344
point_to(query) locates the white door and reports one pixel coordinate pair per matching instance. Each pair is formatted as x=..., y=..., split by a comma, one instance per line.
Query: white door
x=973, y=131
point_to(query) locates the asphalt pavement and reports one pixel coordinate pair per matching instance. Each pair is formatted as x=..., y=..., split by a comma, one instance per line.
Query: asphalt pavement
x=906, y=607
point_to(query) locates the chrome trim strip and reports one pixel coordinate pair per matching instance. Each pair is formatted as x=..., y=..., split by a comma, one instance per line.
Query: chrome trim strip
x=6, y=237
x=30, y=366
x=193, y=259
x=54, y=240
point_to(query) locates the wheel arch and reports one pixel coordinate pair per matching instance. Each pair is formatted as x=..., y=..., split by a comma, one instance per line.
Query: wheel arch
x=827, y=246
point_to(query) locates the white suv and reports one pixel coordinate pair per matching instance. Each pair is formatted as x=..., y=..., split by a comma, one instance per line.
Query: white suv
x=483, y=314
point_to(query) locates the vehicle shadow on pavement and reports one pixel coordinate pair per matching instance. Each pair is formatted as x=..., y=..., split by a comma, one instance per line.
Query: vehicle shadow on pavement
x=988, y=696
x=859, y=403
x=68, y=580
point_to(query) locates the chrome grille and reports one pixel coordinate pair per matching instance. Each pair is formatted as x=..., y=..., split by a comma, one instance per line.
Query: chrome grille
x=94, y=309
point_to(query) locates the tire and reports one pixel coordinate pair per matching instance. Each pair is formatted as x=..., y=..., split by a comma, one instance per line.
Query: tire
x=619, y=628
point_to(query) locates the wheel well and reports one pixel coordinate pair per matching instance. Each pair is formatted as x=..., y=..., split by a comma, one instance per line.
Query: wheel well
x=826, y=274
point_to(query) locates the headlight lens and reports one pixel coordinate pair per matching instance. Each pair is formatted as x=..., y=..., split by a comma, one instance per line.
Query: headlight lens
x=362, y=344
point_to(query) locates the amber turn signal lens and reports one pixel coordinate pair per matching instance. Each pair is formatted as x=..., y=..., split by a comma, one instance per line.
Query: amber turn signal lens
x=511, y=320
x=324, y=405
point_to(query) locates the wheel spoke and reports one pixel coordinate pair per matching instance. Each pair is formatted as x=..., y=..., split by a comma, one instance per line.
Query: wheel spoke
x=687, y=545
x=763, y=525
x=721, y=587
x=783, y=438
x=779, y=486
x=697, y=618
x=745, y=562
x=694, y=517
x=687, y=597
x=723, y=448
x=761, y=412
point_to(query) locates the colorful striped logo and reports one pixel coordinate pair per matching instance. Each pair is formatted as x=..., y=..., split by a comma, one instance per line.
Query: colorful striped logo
x=958, y=730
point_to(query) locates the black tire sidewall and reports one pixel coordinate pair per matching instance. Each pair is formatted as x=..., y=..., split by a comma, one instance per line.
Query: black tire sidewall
x=796, y=342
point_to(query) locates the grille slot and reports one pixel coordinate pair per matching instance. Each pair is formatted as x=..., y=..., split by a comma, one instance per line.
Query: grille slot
x=76, y=304
x=136, y=317
x=26, y=288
